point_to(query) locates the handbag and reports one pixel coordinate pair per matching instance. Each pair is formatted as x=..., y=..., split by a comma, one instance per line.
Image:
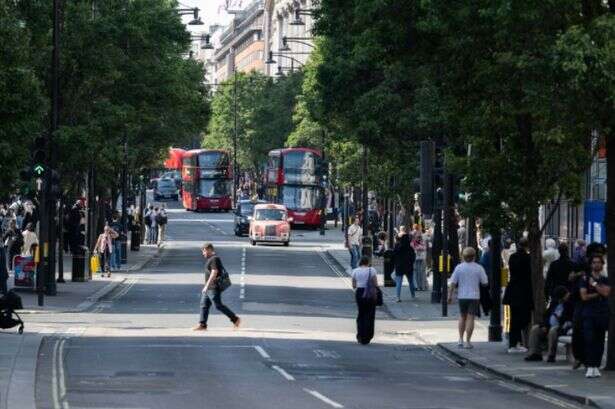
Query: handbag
x=371, y=292
x=94, y=263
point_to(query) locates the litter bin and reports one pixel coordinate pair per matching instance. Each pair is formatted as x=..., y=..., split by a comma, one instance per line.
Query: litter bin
x=135, y=240
x=79, y=260
x=389, y=266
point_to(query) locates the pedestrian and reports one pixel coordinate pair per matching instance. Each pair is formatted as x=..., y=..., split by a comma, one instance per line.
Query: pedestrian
x=116, y=254
x=595, y=291
x=419, y=263
x=4, y=273
x=549, y=255
x=579, y=252
x=152, y=226
x=557, y=321
x=13, y=242
x=104, y=249
x=519, y=297
x=403, y=259
x=559, y=272
x=214, y=270
x=467, y=278
x=162, y=220
x=353, y=242
x=364, y=278
x=29, y=240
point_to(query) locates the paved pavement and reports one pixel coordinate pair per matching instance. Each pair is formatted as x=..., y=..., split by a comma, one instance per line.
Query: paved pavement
x=558, y=378
x=18, y=353
x=134, y=348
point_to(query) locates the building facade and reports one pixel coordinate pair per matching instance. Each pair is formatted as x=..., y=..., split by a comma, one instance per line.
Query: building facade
x=280, y=22
x=241, y=46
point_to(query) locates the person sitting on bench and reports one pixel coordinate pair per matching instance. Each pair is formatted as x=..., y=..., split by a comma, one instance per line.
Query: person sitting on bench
x=558, y=319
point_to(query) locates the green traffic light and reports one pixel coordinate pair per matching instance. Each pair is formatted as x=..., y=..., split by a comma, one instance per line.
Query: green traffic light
x=39, y=169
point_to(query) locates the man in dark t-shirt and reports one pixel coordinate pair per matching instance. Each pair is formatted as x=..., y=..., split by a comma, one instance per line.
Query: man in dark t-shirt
x=213, y=270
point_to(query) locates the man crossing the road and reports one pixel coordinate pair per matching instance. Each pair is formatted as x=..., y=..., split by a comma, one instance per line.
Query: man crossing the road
x=213, y=270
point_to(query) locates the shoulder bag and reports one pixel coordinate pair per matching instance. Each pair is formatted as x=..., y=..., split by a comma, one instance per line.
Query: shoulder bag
x=371, y=292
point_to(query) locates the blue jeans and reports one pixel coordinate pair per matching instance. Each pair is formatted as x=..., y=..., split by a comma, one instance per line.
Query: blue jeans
x=206, y=304
x=355, y=255
x=399, y=280
x=116, y=256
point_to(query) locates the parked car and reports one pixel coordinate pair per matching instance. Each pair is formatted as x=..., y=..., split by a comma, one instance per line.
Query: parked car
x=166, y=189
x=270, y=224
x=243, y=215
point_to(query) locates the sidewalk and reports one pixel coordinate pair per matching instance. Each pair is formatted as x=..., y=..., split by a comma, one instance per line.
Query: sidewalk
x=76, y=296
x=18, y=354
x=429, y=326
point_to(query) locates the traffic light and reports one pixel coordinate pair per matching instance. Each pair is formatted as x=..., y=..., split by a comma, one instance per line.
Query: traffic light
x=39, y=156
x=428, y=152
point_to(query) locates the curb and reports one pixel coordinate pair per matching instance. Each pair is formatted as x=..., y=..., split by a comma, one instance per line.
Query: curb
x=98, y=295
x=584, y=400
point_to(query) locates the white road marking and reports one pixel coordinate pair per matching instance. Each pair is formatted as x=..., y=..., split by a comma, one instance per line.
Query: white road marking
x=61, y=374
x=323, y=398
x=54, y=377
x=262, y=352
x=282, y=372
x=323, y=353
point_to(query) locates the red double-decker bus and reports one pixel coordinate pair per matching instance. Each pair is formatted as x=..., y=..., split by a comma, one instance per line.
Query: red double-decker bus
x=295, y=180
x=207, y=180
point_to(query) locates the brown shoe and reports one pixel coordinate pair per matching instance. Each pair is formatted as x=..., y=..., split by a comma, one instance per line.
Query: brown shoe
x=237, y=322
x=200, y=327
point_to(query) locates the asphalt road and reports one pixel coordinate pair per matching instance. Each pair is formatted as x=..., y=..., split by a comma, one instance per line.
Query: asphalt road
x=295, y=349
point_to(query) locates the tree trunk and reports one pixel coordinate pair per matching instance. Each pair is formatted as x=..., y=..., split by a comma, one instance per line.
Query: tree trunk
x=610, y=237
x=535, y=246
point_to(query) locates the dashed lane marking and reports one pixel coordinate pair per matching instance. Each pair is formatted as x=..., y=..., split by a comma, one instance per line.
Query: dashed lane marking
x=282, y=372
x=323, y=398
x=262, y=352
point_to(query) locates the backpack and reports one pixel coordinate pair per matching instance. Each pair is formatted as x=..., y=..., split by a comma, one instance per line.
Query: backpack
x=161, y=219
x=148, y=220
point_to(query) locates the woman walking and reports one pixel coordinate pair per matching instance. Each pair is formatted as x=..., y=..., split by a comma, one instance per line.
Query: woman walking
x=404, y=257
x=519, y=296
x=595, y=291
x=104, y=248
x=419, y=264
x=363, y=280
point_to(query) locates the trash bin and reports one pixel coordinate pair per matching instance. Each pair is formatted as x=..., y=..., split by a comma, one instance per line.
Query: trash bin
x=135, y=240
x=389, y=266
x=79, y=260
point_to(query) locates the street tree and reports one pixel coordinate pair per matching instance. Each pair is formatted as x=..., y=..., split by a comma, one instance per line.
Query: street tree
x=260, y=107
x=585, y=56
x=505, y=97
x=22, y=105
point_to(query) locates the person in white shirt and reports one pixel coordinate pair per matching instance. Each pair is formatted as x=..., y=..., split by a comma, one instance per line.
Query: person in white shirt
x=29, y=240
x=363, y=277
x=467, y=278
x=353, y=242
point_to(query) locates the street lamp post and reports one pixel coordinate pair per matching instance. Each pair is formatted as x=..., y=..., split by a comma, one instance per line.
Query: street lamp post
x=235, y=175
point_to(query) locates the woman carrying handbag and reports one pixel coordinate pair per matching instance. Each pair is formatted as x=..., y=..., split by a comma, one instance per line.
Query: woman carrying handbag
x=367, y=296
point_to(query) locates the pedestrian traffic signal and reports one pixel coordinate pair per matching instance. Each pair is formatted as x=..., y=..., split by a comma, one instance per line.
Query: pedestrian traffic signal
x=39, y=156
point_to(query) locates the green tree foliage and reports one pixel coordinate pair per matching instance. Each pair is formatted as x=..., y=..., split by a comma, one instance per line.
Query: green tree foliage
x=21, y=102
x=505, y=95
x=124, y=76
x=264, y=115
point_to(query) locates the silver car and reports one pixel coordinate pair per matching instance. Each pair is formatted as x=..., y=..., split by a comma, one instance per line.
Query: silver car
x=166, y=189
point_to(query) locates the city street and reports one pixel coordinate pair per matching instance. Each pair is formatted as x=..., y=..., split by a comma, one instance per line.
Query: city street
x=295, y=349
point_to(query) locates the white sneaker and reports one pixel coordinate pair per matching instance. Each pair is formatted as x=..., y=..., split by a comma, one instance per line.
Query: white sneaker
x=590, y=373
x=517, y=350
x=597, y=373
x=460, y=343
x=468, y=345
